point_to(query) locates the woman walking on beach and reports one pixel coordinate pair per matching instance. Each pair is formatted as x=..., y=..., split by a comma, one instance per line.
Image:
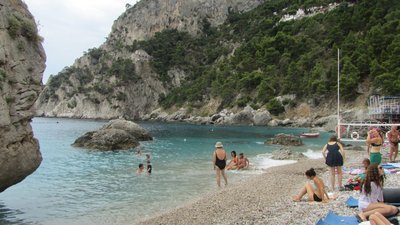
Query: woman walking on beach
x=315, y=188
x=219, y=162
x=334, y=159
x=393, y=136
x=374, y=142
x=371, y=197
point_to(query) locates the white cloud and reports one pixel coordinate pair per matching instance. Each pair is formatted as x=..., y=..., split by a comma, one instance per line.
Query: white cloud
x=70, y=27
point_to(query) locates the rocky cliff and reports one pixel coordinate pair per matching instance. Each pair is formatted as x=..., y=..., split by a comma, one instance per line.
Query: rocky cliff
x=22, y=62
x=118, y=80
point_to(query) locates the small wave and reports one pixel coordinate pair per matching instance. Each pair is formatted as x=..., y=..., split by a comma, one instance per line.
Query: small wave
x=259, y=142
x=264, y=161
x=313, y=154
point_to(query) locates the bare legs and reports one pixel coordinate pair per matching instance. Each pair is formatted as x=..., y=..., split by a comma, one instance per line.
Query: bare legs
x=378, y=219
x=394, y=149
x=333, y=174
x=307, y=189
x=384, y=209
x=219, y=172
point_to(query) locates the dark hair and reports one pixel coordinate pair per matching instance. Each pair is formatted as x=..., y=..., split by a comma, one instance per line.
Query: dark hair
x=241, y=153
x=234, y=153
x=140, y=165
x=333, y=138
x=311, y=173
x=372, y=175
x=367, y=161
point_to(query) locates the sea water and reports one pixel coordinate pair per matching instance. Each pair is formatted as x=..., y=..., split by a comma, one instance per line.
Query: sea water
x=82, y=186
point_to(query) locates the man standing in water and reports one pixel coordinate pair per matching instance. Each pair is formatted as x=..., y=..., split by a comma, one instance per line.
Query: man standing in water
x=219, y=163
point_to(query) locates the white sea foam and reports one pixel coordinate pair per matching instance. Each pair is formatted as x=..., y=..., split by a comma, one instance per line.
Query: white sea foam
x=313, y=154
x=259, y=142
x=264, y=161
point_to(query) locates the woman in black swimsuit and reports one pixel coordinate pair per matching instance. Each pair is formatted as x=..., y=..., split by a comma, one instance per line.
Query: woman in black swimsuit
x=219, y=162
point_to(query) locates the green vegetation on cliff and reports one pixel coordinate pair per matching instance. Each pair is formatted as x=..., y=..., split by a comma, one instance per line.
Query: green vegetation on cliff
x=293, y=57
x=255, y=56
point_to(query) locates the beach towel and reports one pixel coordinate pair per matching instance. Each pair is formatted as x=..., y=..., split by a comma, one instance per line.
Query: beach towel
x=352, y=202
x=333, y=219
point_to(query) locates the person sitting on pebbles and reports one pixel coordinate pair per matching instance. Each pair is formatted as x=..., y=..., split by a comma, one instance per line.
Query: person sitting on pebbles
x=314, y=188
x=243, y=163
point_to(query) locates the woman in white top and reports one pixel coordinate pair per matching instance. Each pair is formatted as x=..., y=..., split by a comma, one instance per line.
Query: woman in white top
x=371, y=198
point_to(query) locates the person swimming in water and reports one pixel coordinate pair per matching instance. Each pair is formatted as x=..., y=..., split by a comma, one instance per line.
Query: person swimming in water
x=219, y=163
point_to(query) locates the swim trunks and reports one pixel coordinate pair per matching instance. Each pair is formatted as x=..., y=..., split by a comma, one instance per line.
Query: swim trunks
x=316, y=198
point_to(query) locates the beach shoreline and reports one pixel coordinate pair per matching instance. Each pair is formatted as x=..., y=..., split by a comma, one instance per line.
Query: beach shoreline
x=264, y=198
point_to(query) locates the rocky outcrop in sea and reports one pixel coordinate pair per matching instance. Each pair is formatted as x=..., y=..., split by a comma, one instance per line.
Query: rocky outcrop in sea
x=114, y=135
x=22, y=62
x=285, y=139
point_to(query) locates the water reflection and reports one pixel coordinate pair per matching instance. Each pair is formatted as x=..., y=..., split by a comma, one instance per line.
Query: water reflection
x=9, y=216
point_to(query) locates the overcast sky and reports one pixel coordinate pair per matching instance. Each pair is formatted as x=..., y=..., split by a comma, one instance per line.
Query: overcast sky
x=70, y=27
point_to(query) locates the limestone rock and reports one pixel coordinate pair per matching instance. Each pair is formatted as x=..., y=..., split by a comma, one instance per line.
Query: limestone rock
x=22, y=62
x=88, y=90
x=261, y=118
x=115, y=135
x=285, y=139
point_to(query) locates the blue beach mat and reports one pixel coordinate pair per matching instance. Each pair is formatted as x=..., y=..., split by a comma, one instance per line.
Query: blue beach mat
x=333, y=219
x=352, y=202
x=390, y=196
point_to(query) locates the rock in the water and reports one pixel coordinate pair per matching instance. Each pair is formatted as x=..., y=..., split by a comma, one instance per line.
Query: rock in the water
x=285, y=154
x=22, y=62
x=285, y=139
x=116, y=134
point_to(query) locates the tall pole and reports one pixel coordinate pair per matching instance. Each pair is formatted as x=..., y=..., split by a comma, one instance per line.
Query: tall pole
x=338, y=93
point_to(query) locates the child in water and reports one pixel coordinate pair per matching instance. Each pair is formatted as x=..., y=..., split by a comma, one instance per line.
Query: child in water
x=148, y=164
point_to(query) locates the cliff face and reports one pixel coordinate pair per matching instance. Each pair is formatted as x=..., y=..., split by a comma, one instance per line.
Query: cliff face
x=22, y=62
x=113, y=81
x=150, y=16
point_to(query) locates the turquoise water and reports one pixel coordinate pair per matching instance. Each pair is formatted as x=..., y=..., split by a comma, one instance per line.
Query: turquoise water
x=80, y=186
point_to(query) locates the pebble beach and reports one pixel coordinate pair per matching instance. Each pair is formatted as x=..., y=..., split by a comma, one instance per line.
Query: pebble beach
x=267, y=198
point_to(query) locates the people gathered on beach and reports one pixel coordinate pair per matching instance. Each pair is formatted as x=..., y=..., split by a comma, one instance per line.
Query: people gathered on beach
x=232, y=165
x=314, y=188
x=333, y=153
x=374, y=143
x=371, y=197
x=219, y=163
x=394, y=137
x=243, y=162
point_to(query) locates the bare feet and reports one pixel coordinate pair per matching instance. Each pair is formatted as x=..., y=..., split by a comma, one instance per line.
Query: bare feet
x=296, y=198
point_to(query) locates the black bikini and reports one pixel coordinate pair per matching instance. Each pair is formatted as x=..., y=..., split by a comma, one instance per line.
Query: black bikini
x=221, y=163
x=376, y=145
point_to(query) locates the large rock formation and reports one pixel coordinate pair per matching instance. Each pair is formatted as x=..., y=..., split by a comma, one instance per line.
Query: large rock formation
x=114, y=81
x=115, y=135
x=22, y=62
x=150, y=16
x=285, y=139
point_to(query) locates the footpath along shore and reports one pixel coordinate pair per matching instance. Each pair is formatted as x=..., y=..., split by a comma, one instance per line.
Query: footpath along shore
x=267, y=198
